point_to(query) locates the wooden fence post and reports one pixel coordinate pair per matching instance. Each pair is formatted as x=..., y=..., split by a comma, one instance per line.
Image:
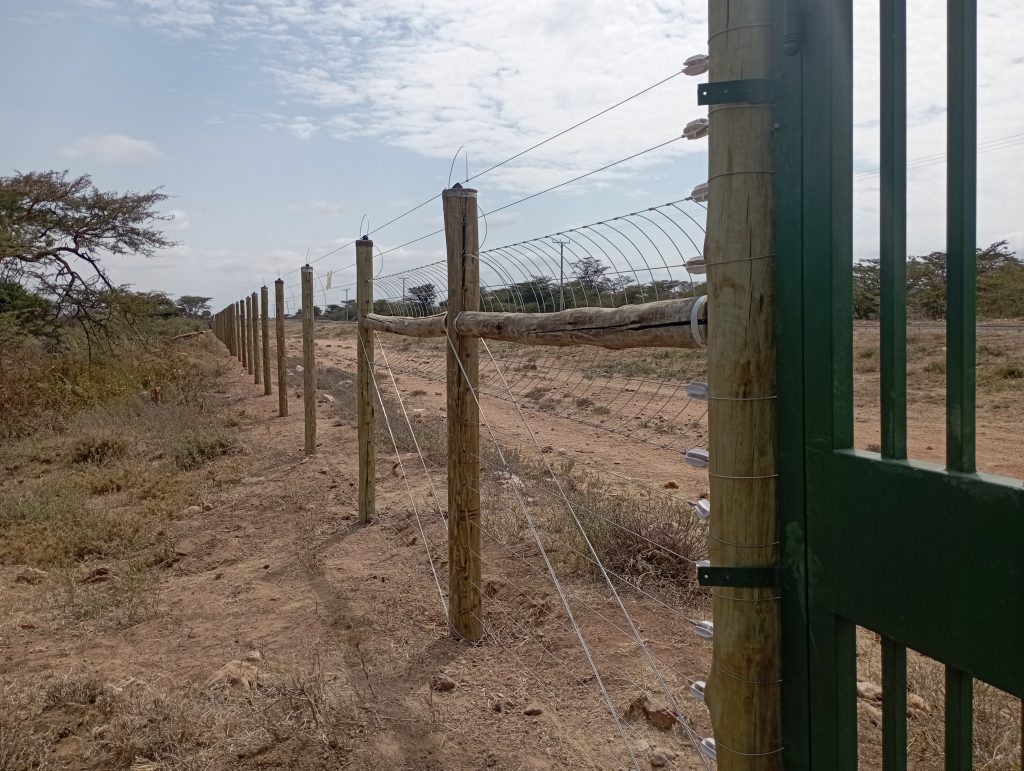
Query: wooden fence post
x=308, y=362
x=265, y=328
x=282, y=369
x=743, y=691
x=364, y=382
x=243, y=333
x=254, y=330
x=465, y=611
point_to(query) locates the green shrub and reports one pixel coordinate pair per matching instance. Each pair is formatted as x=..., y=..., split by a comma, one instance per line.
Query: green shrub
x=195, y=448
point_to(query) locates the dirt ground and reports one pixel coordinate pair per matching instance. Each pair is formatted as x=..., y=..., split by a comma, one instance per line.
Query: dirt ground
x=284, y=635
x=272, y=573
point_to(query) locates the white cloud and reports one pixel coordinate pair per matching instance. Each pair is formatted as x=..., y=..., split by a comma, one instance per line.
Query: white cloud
x=329, y=208
x=112, y=148
x=503, y=219
x=494, y=76
x=498, y=76
x=302, y=127
x=187, y=18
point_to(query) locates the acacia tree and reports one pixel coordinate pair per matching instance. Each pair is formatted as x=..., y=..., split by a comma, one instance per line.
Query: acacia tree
x=423, y=296
x=55, y=230
x=194, y=305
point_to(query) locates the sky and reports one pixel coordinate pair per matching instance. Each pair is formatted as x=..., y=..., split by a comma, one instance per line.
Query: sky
x=276, y=126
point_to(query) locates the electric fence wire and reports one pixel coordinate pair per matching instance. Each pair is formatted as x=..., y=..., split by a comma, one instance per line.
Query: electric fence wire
x=511, y=158
x=635, y=634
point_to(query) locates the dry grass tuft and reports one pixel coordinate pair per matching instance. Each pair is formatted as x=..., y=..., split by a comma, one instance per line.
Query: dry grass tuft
x=22, y=748
x=99, y=450
x=197, y=447
x=140, y=725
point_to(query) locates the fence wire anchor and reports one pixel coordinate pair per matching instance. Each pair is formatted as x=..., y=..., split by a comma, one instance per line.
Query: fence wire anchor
x=741, y=577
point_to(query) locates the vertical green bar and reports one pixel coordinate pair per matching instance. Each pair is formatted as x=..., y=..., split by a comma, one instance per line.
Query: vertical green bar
x=894, y=706
x=789, y=231
x=833, y=691
x=959, y=720
x=893, y=240
x=961, y=210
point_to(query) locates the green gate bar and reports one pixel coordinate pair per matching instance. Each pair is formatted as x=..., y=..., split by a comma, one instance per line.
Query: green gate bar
x=894, y=706
x=961, y=244
x=959, y=720
x=892, y=310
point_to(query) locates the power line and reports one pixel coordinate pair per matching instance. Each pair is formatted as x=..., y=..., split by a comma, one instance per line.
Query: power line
x=542, y=192
x=575, y=126
x=929, y=160
x=584, y=176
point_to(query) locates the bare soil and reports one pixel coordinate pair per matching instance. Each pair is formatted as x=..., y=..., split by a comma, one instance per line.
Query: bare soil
x=342, y=654
x=271, y=565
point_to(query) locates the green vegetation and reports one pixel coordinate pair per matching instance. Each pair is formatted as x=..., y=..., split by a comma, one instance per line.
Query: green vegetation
x=1000, y=285
x=103, y=408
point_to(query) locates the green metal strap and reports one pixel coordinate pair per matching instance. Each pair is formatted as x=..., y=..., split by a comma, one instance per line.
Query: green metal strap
x=750, y=91
x=744, y=577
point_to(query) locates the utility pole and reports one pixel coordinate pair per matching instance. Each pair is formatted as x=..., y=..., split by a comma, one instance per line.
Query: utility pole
x=347, y=315
x=561, y=272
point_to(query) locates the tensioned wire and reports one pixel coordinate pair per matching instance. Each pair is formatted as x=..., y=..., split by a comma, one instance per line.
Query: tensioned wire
x=557, y=583
x=568, y=609
x=511, y=158
x=639, y=640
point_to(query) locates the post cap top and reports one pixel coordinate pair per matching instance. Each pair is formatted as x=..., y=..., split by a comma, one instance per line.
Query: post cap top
x=458, y=191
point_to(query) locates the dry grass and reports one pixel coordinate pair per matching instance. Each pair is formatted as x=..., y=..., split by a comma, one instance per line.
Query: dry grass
x=140, y=725
x=97, y=492
x=997, y=715
x=22, y=747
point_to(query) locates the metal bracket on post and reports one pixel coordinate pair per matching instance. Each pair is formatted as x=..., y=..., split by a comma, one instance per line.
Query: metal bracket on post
x=752, y=91
x=741, y=577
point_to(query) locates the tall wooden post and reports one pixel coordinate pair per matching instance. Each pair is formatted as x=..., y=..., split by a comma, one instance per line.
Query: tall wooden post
x=364, y=381
x=243, y=333
x=265, y=329
x=308, y=362
x=465, y=611
x=282, y=371
x=743, y=691
x=254, y=332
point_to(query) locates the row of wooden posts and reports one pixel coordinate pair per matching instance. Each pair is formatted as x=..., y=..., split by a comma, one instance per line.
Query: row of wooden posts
x=244, y=328
x=741, y=422
x=674, y=323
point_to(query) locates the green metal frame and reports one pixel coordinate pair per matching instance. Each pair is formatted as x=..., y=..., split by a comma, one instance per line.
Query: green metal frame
x=931, y=558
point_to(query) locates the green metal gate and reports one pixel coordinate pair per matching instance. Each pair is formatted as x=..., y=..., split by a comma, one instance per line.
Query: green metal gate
x=930, y=558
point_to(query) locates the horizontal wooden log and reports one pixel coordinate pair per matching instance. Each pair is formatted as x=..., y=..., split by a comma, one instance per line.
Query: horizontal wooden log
x=662, y=324
x=409, y=326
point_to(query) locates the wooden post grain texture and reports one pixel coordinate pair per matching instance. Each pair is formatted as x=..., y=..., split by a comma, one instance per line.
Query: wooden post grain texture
x=364, y=383
x=282, y=369
x=465, y=611
x=744, y=690
x=265, y=337
x=243, y=333
x=254, y=324
x=308, y=360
